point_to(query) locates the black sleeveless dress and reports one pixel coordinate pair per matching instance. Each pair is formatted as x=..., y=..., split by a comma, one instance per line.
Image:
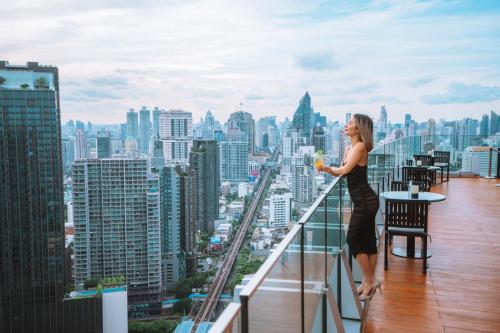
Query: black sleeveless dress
x=361, y=233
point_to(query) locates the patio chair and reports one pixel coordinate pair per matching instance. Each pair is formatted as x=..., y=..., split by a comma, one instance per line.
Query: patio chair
x=406, y=218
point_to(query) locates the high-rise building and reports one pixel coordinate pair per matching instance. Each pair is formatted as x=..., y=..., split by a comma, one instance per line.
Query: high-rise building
x=144, y=129
x=266, y=132
x=383, y=116
x=303, y=174
x=103, y=144
x=477, y=160
x=234, y=161
x=31, y=194
x=318, y=138
x=431, y=127
x=204, y=168
x=208, y=126
x=81, y=145
x=494, y=123
x=116, y=214
x=68, y=153
x=280, y=210
x=156, y=122
x=171, y=255
x=80, y=126
x=244, y=122
x=176, y=132
x=303, y=118
x=484, y=127
x=133, y=125
x=32, y=283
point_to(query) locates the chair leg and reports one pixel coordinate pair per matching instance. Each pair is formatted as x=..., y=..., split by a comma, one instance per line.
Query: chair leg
x=424, y=254
x=386, y=244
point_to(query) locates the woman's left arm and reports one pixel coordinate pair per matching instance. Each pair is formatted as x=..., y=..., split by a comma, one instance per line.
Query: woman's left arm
x=357, y=154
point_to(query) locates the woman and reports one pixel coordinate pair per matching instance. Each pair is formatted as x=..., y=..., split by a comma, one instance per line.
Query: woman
x=361, y=234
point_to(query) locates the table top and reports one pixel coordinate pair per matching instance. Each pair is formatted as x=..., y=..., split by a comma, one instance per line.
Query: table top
x=428, y=167
x=422, y=196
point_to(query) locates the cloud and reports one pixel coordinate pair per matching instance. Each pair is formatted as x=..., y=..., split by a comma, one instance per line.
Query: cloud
x=112, y=81
x=464, y=93
x=90, y=95
x=421, y=81
x=316, y=61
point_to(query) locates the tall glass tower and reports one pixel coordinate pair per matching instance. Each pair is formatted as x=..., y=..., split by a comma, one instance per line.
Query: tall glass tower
x=31, y=200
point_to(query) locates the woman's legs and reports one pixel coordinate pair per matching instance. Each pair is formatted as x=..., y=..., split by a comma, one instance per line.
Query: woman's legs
x=368, y=263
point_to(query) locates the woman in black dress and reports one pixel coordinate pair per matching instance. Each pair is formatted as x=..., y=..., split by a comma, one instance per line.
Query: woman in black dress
x=361, y=234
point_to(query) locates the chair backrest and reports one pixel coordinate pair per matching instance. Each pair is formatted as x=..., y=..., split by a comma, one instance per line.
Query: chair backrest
x=441, y=153
x=406, y=213
x=441, y=159
x=427, y=160
x=416, y=174
x=403, y=186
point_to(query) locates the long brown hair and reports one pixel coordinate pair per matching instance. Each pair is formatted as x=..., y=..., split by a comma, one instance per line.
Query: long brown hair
x=365, y=127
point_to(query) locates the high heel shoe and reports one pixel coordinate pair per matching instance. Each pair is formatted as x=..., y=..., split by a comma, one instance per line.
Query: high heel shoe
x=372, y=292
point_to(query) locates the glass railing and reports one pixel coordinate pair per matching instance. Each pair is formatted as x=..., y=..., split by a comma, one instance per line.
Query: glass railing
x=308, y=283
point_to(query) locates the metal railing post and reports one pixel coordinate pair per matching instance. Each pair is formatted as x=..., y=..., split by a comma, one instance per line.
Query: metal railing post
x=302, y=277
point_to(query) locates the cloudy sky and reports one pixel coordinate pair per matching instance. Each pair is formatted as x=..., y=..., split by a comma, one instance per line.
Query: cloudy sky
x=437, y=59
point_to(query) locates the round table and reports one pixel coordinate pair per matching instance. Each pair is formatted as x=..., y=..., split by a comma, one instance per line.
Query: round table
x=409, y=250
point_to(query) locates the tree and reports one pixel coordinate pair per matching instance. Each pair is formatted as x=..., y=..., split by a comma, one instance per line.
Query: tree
x=154, y=326
x=90, y=283
x=2, y=80
x=183, y=306
x=183, y=289
x=41, y=82
x=24, y=86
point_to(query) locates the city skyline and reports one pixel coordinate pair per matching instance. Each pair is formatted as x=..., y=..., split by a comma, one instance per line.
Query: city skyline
x=430, y=59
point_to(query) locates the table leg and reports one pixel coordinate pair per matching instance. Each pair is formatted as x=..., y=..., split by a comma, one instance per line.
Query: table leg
x=410, y=247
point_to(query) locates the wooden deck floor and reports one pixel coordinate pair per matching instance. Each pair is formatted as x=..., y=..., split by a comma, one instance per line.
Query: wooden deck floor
x=461, y=292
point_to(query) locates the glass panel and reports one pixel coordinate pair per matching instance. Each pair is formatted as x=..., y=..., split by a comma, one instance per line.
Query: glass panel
x=276, y=303
x=229, y=321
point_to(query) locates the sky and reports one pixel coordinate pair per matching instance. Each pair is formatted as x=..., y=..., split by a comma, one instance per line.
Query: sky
x=433, y=59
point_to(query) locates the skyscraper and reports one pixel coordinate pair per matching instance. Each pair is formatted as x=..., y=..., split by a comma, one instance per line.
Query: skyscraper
x=172, y=259
x=81, y=145
x=243, y=121
x=318, y=138
x=484, y=128
x=234, y=161
x=68, y=152
x=144, y=129
x=303, y=175
x=494, y=123
x=303, y=118
x=103, y=145
x=204, y=166
x=348, y=116
x=156, y=122
x=280, y=210
x=176, y=132
x=31, y=194
x=116, y=216
x=132, y=125
x=383, y=116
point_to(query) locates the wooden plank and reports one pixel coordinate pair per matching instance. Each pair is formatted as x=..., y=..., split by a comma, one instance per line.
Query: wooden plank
x=461, y=290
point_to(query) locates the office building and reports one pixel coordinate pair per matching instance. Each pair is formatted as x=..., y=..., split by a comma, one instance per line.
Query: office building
x=103, y=145
x=144, y=129
x=156, y=122
x=244, y=122
x=133, y=125
x=116, y=214
x=81, y=145
x=176, y=132
x=204, y=168
x=302, y=169
x=234, y=161
x=32, y=282
x=280, y=210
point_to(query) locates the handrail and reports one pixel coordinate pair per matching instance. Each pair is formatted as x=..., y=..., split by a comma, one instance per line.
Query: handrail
x=226, y=317
x=268, y=265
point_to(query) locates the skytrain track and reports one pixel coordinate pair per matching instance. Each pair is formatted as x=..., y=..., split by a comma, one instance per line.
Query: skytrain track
x=208, y=307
